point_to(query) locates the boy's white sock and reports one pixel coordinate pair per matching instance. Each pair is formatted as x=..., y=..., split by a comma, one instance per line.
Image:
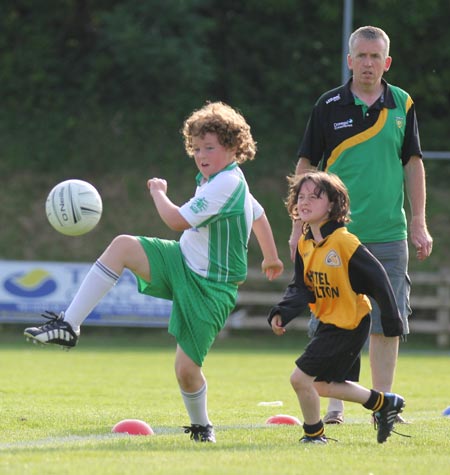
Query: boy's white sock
x=196, y=406
x=98, y=281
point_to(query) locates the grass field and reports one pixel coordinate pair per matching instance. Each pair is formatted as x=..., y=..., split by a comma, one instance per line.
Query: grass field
x=57, y=409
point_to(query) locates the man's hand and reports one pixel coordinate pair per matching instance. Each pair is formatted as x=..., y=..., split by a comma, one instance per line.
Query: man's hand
x=420, y=238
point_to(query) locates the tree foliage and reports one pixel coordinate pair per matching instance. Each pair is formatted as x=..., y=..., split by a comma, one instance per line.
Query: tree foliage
x=96, y=83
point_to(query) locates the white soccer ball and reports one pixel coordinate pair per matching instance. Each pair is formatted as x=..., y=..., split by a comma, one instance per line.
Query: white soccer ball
x=74, y=207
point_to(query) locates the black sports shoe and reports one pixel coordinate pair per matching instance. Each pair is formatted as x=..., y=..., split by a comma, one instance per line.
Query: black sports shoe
x=57, y=331
x=386, y=417
x=318, y=439
x=201, y=433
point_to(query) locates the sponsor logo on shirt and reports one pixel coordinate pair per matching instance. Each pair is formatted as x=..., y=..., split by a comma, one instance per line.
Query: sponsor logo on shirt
x=321, y=285
x=198, y=205
x=333, y=99
x=333, y=259
x=399, y=121
x=343, y=125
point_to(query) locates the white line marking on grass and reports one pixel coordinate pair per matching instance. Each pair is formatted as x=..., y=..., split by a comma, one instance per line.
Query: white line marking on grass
x=57, y=441
x=87, y=439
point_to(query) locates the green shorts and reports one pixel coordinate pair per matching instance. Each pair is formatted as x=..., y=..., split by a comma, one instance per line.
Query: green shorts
x=200, y=306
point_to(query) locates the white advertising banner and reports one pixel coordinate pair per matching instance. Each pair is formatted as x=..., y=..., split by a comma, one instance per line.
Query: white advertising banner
x=28, y=288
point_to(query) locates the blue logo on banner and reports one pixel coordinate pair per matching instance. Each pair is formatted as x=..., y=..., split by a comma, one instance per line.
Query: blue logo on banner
x=36, y=283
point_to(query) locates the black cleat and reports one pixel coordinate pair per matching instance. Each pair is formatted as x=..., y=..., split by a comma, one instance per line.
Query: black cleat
x=57, y=332
x=386, y=417
x=201, y=433
x=318, y=439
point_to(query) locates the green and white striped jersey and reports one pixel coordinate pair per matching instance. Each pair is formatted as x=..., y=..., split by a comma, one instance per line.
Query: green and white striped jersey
x=221, y=214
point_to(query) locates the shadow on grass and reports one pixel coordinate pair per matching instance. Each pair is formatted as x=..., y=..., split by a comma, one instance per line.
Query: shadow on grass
x=144, y=339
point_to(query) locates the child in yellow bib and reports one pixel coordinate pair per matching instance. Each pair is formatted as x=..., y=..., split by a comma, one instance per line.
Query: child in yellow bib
x=333, y=274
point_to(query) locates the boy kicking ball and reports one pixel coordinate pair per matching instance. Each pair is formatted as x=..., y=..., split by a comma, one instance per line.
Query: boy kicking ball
x=201, y=272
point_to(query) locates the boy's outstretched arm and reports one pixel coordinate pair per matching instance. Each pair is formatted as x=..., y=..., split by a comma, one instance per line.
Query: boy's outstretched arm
x=271, y=264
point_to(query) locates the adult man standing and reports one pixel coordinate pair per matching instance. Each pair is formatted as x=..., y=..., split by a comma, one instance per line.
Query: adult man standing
x=366, y=132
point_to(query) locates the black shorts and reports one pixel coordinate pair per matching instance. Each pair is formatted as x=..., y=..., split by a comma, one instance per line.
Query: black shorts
x=334, y=354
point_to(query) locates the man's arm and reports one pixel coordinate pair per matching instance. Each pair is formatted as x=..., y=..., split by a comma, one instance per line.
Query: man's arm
x=416, y=191
x=304, y=165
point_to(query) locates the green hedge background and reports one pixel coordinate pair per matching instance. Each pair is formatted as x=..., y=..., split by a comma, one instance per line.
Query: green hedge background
x=98, y=90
